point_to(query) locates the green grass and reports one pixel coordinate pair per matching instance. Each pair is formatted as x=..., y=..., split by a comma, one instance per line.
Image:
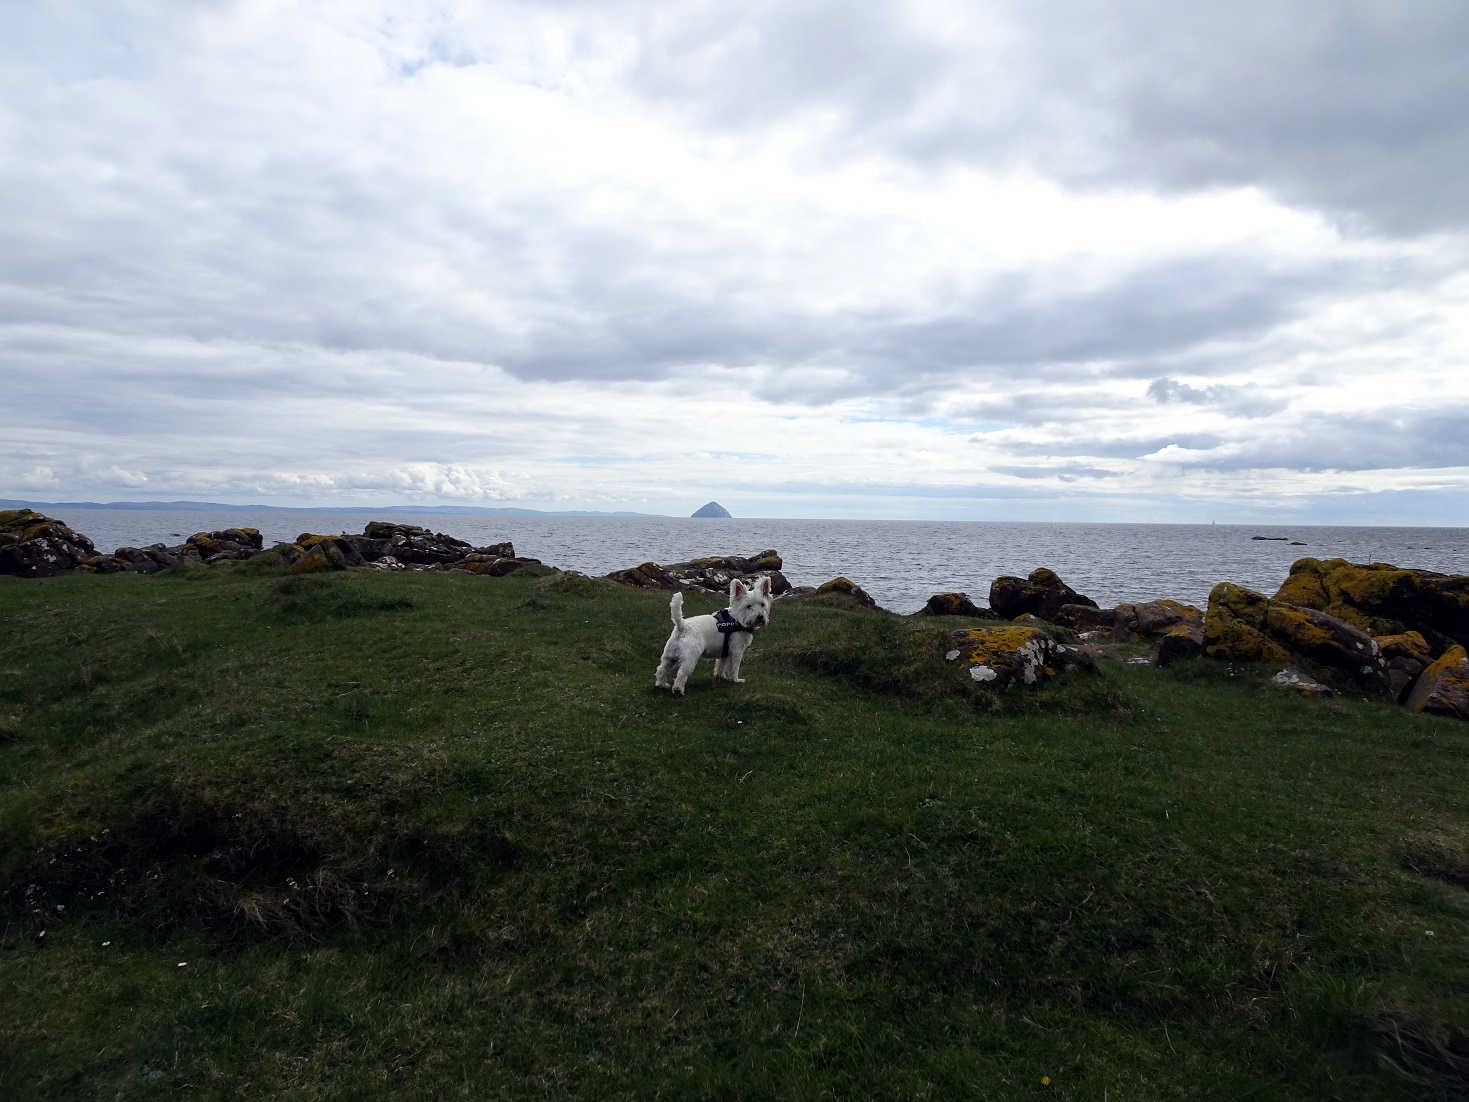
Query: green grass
x=434, y=835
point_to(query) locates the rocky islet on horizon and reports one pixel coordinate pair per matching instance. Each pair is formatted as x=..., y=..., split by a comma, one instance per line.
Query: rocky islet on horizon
x=1332, y=625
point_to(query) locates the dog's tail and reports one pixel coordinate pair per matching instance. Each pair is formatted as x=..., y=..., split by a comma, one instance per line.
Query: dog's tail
x=675, y=609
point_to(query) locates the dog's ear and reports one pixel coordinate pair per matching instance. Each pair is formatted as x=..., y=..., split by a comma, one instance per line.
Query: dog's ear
x=764, y=585
x=736, y=590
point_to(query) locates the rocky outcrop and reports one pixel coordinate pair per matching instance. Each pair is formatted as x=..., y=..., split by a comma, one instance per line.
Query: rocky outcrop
x=847, y=588
x=408, y=543
x=1178, y=628
x=1406, y=655
x=1381, y=599
x=1246, y=626
x=33, y=545
x=648, y=575
x=1183, y=640
x=146, y=560
x=1080, y=617
x=1041, y=593
x=712, y=574
x=1443, y=688
x=952, y=604
x=319, y=555
x=385, y=546
x=227, y=545
x=1013, y=655
x=1137, y=623
x=492, y=565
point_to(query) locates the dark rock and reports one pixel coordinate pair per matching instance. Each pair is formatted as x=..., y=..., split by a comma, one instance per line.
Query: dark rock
x=952, y=604
x=1273, y=539
x=1080, y=617
x=225, y=545
x=1134, y=623
x=36, y=546
x=106, y=564
x=1443, y=689
x=1183, y=640
x=323, y=555
x=1041, y=593
x=147, y=560
x=1243, y=625
x=712, y=574
x=648, y=575
x=1381, y=599
x=1407, y=655
x=847, y=588
x=494, y=566
x=408, y=543
x=345, y=547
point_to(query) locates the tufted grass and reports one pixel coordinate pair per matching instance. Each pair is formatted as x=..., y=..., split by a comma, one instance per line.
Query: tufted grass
x=432, y=835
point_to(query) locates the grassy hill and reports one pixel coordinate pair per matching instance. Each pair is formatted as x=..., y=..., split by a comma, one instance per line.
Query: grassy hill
x=435, y=835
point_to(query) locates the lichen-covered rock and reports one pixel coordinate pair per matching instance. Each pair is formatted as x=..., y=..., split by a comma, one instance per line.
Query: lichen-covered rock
x=648, y=575
x=1135, y=623
x=1243, y=625
x=1443, y=688
x=1406, y=655
x=146, y=560
x=1382, y=599
x=227, y=544
x=1184, y=640
x=849, y=588
x=492, y=566
x=952, y=604
x=1080, y=617
x=1013, y=655
x=344, y=546
x=322, y=555
x=1041, y=593
x=33, y=545
x=105, y=564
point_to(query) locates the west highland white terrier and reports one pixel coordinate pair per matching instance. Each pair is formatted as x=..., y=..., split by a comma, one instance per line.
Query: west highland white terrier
x=724, y=636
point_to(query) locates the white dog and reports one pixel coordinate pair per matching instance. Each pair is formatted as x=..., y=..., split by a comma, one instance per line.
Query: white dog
x=724, y=636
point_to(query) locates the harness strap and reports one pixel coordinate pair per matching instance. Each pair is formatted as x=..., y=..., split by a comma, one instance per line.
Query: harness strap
x=727, y=626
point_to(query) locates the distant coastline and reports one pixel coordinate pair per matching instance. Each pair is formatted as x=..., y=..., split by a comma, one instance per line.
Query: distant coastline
x=221, y=507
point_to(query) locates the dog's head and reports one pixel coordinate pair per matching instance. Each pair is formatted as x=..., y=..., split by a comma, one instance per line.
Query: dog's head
x=750, y=604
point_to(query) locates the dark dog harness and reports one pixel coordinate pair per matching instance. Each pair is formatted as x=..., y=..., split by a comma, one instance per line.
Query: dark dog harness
x=727, y=626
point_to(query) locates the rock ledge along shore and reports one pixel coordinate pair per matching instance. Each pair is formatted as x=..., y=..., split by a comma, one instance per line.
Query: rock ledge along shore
x=1332, y=626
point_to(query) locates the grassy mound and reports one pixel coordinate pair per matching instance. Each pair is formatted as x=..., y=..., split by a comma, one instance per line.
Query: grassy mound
x=424, y=835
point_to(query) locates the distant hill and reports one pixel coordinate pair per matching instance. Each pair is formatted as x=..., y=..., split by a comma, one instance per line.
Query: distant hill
x=711, y=509
x=215, y=506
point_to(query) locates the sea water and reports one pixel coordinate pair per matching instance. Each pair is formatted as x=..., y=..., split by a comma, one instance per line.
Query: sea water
x=901, y=563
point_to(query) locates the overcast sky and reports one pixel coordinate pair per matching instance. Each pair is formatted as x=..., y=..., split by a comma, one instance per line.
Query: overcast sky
x=1133, y=260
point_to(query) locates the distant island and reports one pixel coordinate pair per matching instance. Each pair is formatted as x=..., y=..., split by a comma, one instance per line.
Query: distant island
x=213, y=506
x=711, y=509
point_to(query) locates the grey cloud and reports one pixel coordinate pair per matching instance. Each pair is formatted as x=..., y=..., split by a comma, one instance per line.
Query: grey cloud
x=1347, y=106
x=1352, y=442
x=1243, y=401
